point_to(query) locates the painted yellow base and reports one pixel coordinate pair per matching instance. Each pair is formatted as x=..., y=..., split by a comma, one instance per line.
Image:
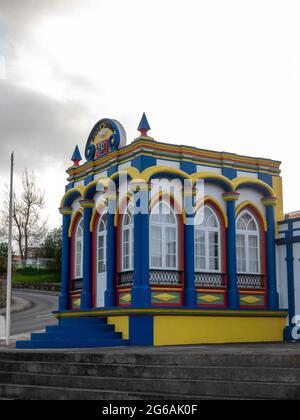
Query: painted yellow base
x=121, y=324
x=173, y=330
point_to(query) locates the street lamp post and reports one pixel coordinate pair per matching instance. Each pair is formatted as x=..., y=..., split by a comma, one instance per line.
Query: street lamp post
x=9, y=254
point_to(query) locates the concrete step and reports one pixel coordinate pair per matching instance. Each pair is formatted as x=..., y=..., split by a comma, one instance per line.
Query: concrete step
x=187, y=387
x=271, y=375
x=29, y=392
x=167, y=358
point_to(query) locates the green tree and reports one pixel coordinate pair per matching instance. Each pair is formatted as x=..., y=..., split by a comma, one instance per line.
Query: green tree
x=3, y=258
x=52, y=247
x=28, y=226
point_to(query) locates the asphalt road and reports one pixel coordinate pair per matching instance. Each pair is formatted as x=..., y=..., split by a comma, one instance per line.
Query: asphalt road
x=38, y=315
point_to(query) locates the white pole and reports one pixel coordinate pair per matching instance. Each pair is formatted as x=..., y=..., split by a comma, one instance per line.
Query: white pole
x=9, y=254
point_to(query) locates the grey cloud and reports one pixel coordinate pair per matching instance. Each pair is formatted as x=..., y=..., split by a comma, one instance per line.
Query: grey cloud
x=19, y=16
x=37, y=127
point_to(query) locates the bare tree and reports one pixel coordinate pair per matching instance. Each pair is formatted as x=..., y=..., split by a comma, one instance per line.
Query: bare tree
x=28, y=227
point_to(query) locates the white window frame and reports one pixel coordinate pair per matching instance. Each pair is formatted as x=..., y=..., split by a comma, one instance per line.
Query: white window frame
x=78, y=239
x=102, y=233
x=207, y=230
x=246, y=234
x=130, y=229
x=163, y=226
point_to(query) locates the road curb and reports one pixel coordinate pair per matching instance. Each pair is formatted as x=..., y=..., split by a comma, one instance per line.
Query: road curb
x=18, y=305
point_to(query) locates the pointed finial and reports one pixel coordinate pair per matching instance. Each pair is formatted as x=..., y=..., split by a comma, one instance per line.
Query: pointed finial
x=144, y=126
x=76, y=158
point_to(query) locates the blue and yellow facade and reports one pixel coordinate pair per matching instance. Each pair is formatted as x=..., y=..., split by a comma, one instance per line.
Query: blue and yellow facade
x=166, y=281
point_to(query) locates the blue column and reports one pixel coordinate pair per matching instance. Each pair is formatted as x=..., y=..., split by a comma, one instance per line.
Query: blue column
x=190, y=294
x=141, y=292
x=232, y=288
x=65, y=264
x=291, y=285
x=272, y=294
x=110, y=293
x=86, y=296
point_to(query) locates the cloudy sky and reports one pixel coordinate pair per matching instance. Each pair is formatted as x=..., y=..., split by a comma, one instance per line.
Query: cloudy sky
x=221, y=75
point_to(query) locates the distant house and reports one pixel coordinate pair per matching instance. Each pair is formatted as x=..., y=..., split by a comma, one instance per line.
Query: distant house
x=293, y=215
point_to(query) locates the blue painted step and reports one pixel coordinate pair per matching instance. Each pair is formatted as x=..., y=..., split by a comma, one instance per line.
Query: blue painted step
x=75, y=333
x=82, y=335
x=69, y=344
x=82, y=321
x=75, y=328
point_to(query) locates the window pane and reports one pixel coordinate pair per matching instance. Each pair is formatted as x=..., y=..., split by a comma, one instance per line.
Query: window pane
x=253, y=254
x=156, y=246
x=171, y=261
x=199, y=249
x=214, y=264
x=170, y=247
x=241, y=253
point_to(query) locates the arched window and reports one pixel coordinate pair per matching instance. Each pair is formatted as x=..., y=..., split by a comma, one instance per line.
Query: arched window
x=78, y=272
x=207, y=241
x=164, y=237
x=101, y=244
x=127, y=239
x=248, y=244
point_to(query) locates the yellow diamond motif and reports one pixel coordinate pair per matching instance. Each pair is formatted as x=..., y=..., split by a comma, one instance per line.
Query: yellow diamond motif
x=209, y=298
x=250, y=299
x=127, y=298
x=76, y=302
x=165, y=297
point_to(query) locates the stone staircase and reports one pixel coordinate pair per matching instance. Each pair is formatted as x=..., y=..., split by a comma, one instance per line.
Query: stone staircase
x=181, y=373
x=75, y=333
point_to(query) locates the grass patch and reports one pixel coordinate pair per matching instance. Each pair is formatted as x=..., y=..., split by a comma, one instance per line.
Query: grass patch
x=36, y=278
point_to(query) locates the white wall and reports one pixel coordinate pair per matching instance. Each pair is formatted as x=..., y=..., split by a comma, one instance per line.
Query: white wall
x=282, y=276
x=76, y=205
x=297, y=276
x=216, y=192
x=249, y=194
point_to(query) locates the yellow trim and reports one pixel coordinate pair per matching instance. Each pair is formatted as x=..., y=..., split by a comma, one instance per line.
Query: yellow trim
x=93, y=184
x=73, y=221
x=234, y=196
x=66, y=211
x=153, y=170
x=174, y=311
x=87, y=204
x=251, y=292
x=251, y=204
x=269, y=201
x=224, y=158
x=136, y=185
x=121, y=324
x=238, y=182
x=216, y=203
x=170, y=330
x=95, y=214
x=212, y=176
x=132, y=172
x=79, y=189
x=203, y=290
x=277, y=186
x=160, y=194
x=126, y=199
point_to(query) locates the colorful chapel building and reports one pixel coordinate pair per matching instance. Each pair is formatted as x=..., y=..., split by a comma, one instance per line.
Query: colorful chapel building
x=157, y=277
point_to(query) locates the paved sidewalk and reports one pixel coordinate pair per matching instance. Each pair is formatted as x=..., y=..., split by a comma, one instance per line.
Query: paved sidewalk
x=238, y=349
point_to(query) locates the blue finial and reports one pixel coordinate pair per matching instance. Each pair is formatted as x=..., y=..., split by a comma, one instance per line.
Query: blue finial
x=144, y=126
x=76, y=158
